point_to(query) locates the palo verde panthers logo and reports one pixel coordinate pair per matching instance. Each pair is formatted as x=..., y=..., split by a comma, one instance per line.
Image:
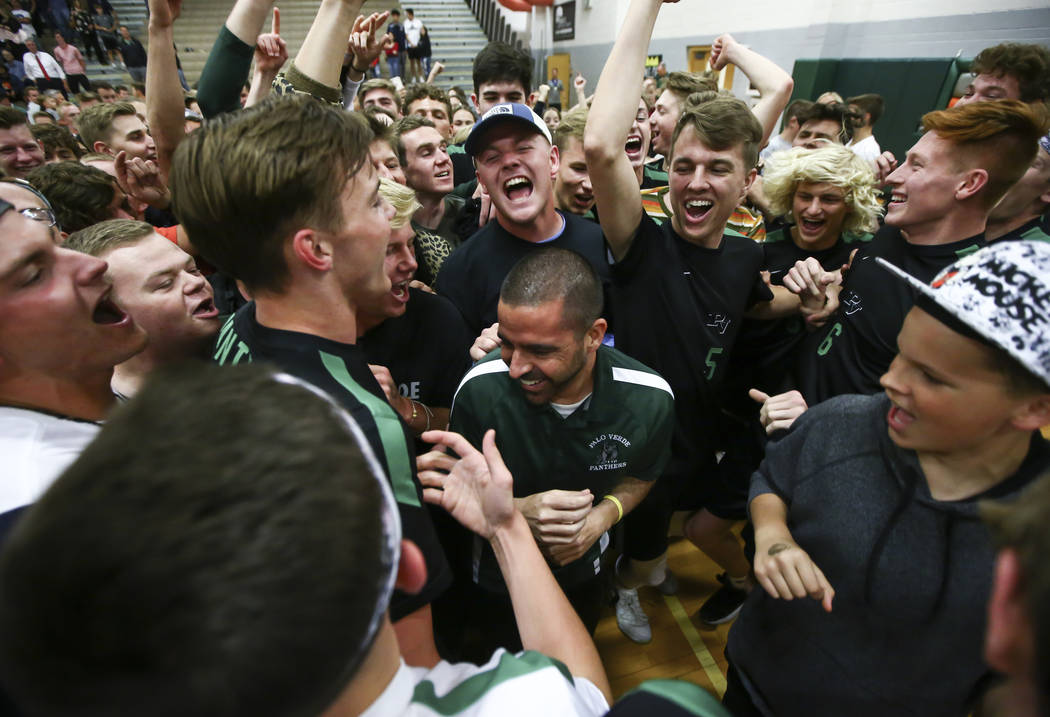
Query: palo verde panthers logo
x=608, y=447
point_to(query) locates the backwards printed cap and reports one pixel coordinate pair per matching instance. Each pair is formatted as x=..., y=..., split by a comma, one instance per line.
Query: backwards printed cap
x=504, y=112
x=1002, y=294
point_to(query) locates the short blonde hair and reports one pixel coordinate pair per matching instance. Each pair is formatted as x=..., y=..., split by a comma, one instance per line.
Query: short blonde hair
x=838, y=166
x=403, y=198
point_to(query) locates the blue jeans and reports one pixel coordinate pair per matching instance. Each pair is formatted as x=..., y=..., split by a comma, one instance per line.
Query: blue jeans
x=394, y=63
x=427, y=61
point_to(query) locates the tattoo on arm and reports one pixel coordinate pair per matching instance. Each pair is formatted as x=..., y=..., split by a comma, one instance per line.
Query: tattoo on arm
x=778, y=548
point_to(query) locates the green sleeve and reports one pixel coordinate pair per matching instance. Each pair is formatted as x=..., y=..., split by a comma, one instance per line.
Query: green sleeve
x=224, y=74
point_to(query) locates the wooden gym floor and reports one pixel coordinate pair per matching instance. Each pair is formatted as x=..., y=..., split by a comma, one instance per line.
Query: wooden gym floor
x=680, y=649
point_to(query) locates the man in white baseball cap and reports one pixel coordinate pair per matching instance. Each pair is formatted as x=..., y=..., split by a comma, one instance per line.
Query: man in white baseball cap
x=881, y=495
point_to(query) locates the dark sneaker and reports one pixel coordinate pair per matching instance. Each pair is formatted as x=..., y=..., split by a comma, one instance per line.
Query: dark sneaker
x=724, y=605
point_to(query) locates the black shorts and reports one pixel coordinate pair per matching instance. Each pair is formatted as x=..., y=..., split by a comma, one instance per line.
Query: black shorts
x=709, y=487
x=415, y=53
x=110, y=41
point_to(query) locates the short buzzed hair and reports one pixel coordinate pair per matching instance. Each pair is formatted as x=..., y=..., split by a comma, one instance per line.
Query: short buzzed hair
x=547, y=275
x=96, y=122
x=259, y=565
x=102, y=238
x=1028, y=64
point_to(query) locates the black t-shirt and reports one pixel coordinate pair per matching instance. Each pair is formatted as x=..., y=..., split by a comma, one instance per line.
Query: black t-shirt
x=342, y=371
x=678, y=309
x=426, y=349
x=472, y=276
x=857, y=346
x=462, y=165
x=765, y=348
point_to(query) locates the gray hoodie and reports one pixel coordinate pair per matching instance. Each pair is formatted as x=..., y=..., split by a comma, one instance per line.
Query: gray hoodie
x=911, y=576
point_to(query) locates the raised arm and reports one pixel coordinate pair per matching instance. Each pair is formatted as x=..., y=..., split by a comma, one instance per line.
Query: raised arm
x=321, y=55
x=773, y=84
x=612, y=112
x=364, y=47
x=219, y=89
x=271, y=53
x=478, y=492
x=164, y=96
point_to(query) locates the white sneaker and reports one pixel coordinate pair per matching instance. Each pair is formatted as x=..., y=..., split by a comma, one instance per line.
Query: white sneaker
x=631, y=619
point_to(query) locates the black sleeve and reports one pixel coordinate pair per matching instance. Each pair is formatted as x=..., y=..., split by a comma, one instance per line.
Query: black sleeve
x=453, y=283
x=457, y=361
x=630, y=265
x=224, y=73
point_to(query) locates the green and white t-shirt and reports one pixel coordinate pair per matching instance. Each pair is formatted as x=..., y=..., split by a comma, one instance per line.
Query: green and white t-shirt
x=508, y=685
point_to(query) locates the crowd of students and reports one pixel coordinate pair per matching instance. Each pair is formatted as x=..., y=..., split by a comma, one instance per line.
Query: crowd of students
x=342, y=402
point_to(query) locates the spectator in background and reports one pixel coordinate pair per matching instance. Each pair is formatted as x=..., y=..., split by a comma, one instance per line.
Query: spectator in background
x=425, y=52
x=395, y=55
x=413, y=32
x=788, y=129
x=462, y=118
x=11, y=84
x=431, y=102
x=551, y=118
x=823, y=124
x=1011, y=71
x=134, y=55
x=31, y=100
x=14, y=66
x=58, y=144
x=72, y=64
x=830, y=98
x=865, y=111
x=106, y=94
x=43, y=69
x=19, y=152
x=556, y=85
x=85, y=29
x=106, y=28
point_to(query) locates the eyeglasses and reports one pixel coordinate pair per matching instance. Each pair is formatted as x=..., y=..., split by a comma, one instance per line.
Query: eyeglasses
x=39, y=214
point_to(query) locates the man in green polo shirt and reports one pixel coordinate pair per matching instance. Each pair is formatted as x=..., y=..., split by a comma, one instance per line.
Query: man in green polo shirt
x=584, y=429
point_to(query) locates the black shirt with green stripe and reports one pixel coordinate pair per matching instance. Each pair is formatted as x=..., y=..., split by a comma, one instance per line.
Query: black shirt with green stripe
x=341, y=371
x=1037, y=229
x=854, y=348
x=766, y=348
x=622, y=431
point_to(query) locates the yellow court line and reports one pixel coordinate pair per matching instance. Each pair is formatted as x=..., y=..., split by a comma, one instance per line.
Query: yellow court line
x=711, y=669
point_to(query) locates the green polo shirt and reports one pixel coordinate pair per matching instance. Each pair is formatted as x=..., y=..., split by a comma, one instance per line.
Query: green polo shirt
x=622, y=431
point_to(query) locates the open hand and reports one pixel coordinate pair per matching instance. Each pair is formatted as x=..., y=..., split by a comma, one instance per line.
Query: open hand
x=476, y=489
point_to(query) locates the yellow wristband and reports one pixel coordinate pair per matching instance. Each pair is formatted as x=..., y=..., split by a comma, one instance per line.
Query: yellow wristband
x=618, y=504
